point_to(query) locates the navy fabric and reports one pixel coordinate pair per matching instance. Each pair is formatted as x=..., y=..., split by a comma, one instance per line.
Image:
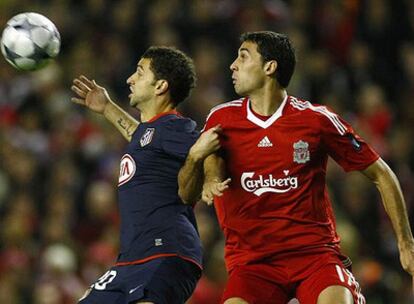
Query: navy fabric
x=168, y=280
x=154, y=220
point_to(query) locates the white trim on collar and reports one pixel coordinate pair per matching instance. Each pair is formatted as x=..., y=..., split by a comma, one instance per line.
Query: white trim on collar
x=261, y=123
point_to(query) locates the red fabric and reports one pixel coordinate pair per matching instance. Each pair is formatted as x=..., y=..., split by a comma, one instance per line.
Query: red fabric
x=328, y=275
x=302, y=276
x=162, y=255
x=172, y=112
x=278, y=200
x=254, y=284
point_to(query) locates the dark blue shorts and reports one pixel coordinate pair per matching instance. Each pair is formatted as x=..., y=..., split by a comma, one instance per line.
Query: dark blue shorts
x=169, y=280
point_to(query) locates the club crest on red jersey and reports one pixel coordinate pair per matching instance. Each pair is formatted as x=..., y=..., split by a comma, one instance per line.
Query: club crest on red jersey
x=126, y=170
x=301, y=152
x=147, y=137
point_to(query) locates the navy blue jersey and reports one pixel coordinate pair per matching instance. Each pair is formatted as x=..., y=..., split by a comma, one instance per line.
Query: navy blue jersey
x=154, y=221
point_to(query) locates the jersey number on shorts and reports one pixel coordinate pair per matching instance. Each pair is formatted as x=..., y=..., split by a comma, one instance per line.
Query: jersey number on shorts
x=104, y=280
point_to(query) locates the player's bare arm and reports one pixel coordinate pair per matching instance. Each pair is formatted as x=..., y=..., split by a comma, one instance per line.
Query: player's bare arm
x=97, y=99
x=393, y=200
x=214, y=183
x=190, y=177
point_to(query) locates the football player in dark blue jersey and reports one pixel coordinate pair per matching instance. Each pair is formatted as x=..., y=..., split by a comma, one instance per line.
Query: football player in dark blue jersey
x=160, y=256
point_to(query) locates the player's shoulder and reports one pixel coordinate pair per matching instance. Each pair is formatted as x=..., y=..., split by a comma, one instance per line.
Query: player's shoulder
x=321, y=115
x=304, y=106
x=179, y=123
x=226, y=108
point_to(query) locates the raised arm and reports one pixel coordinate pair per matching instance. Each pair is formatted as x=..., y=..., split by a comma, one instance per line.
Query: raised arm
x=96, y=98
x=393, y=201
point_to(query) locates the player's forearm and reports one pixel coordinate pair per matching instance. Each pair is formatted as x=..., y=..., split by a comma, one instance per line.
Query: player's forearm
x=214, y=169
x=124, y=122
x=393, y=201
x=395, y=207
x=190, y=180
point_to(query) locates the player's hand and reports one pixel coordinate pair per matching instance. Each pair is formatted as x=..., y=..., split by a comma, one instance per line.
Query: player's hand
x=407, y=259
x=207, y=143
x=212, y=189
x=90, y=94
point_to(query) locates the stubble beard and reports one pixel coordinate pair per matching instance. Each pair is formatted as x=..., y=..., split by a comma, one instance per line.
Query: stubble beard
x=239, y=91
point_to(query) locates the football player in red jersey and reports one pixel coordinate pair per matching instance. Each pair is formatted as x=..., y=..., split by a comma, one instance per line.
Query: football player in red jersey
x=277, y=219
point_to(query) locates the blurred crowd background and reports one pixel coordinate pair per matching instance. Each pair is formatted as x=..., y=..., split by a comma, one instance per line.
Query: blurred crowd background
x=59, y=163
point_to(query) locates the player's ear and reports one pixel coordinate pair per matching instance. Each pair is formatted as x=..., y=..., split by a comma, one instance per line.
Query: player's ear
x=270, y=67
x=161, y=86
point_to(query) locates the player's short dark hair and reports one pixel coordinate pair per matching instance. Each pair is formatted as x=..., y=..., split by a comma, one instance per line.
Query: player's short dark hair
x=275, y=46
x=175, y=67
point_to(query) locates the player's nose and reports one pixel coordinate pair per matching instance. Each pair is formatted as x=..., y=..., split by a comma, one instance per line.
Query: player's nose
x=129, y=80
x=233, y=66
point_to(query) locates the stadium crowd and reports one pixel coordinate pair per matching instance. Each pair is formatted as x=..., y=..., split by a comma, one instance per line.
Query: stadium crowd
x=59, y=163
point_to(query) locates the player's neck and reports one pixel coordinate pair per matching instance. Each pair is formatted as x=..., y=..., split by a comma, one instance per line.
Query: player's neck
x=266, y=102
x=147, y=113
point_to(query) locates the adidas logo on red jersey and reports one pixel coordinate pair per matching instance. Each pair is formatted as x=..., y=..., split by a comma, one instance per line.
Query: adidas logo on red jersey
x=265, y=142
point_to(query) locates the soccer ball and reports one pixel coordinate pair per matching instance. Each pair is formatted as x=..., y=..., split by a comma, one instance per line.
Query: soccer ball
x=29, y=41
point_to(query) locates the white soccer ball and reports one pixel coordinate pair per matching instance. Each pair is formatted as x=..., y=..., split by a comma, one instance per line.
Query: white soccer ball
x=29, y=41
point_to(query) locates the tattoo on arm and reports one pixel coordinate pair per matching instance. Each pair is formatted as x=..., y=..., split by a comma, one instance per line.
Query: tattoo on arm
x=122, y=121
x=126, y=125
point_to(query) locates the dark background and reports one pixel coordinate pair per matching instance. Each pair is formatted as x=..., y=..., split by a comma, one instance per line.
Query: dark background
x=59, y=163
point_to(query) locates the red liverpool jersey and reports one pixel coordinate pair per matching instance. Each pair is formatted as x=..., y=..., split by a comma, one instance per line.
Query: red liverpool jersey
x=278, y=200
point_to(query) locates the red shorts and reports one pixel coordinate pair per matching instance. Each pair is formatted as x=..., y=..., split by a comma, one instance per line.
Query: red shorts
x=302, y=276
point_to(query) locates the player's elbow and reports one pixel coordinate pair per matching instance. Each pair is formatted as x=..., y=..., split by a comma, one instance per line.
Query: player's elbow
x=382, y=176
x=385, y=173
